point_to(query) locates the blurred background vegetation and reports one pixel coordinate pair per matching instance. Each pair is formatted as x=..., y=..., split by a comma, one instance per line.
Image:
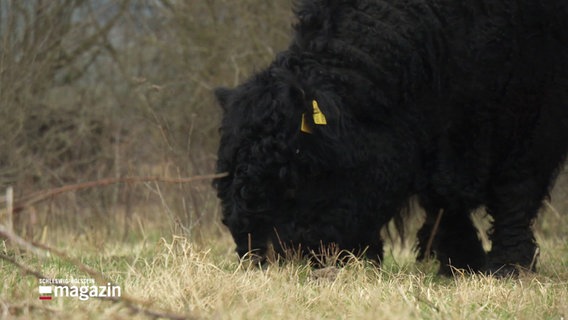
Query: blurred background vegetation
x=91, y=89
x=113, y=88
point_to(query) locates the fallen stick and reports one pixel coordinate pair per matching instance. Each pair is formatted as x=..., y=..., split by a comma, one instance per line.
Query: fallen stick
x=135, y=305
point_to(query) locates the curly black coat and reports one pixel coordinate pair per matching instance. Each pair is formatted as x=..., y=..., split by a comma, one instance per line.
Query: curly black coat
x=463, y=104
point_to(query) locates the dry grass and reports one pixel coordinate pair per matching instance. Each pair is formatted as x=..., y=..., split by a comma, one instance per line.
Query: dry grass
x=202, y=279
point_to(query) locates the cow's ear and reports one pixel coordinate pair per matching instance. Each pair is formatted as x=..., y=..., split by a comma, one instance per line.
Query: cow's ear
x=223, y=94
x=322, y=114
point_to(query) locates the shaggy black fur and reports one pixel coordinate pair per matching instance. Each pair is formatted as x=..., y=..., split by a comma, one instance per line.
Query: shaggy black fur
x=463, y=104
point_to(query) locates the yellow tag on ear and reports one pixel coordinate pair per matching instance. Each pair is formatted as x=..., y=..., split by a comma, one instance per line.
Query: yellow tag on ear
x=319, y=117
x=305, y=127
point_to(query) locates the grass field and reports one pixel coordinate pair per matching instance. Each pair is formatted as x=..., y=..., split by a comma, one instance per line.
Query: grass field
x=178, y=278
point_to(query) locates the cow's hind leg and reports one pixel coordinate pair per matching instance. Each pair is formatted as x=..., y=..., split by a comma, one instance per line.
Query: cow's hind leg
x=521, y=185
x=455, y=241
x=513, y=207
x=516, y=197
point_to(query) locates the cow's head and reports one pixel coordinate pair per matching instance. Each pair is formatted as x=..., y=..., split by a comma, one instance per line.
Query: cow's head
x=277, y=147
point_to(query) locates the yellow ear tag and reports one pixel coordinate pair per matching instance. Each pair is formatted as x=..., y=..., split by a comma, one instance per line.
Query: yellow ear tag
x=319, y=117
x=305, y=127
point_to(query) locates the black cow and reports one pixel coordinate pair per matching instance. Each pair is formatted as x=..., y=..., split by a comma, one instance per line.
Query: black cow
x=463, y=104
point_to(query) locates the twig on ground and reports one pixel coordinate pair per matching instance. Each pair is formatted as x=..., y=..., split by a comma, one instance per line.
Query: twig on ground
x=43, y=250
x=433, y=233
x=21, y=243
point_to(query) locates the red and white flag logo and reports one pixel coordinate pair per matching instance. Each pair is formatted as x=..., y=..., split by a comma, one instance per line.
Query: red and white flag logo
x=45, y=292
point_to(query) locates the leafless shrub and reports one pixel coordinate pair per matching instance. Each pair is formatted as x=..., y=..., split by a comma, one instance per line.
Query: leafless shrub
x=92, y=89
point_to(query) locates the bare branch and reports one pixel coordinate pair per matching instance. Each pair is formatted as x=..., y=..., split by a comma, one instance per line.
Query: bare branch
x=35, y=197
